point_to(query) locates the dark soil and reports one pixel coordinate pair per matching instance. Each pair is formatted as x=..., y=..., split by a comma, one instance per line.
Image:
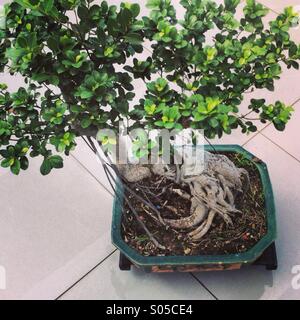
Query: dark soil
x=249, y=226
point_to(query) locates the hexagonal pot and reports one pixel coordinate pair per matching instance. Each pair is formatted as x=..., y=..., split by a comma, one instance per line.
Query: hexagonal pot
x=201, y=262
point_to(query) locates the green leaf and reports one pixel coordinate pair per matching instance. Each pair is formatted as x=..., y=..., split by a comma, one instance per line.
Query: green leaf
x=159, y=123
x=293, y=49
x=24, y=163
x=76, y=108
x=48, y=5
x=134, y=38
x=16, y=167
x=40, y=78
x=294, y=64
x=169, y=125
x=53, y=44
x=153, y=4
x=135, y=9
x=91, y=65
x=214, y=122
x=85, y=123
x=45, y=167
x=27, y=3
x=125, y=17
x=56, y=162
x=231, y=4
x=83, y=12
x=22, y=42
x=6, y=163
x=61, y=147
x=83, y=93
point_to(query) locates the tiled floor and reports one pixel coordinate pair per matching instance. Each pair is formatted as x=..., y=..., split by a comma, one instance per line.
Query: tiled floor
x=55, y=231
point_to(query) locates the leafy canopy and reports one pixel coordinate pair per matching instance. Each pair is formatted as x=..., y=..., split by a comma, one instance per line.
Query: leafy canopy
x=79, y=59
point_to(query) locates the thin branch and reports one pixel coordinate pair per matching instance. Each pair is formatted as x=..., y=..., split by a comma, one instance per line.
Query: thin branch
x=211, y=145
x=149, y=234
x=87, y=143
x=295, y=102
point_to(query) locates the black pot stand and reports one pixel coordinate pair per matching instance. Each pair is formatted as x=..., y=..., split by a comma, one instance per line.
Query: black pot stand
x=268, y=259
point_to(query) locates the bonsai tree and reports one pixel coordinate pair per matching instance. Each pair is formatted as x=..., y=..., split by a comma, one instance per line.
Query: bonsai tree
x=80, y=58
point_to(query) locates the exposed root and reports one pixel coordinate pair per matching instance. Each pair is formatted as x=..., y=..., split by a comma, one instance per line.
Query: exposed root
x=244, y=173
x=182, y=194
x=198, y=229
x=202, y=230
x=187, y=223
x=226, y=187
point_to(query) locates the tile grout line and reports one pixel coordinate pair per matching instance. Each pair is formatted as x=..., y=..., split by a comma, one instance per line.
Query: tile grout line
x=251, y=138
x=203, y=285
x=88, y=171
x=281, y=148
x=268, y=7
x=108, y=256
x=86, y=274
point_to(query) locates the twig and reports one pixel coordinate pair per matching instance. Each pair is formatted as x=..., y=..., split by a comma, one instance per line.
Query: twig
x=211, y=145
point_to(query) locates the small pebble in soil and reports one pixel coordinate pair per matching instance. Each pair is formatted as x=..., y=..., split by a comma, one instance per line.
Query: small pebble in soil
x=187, y=251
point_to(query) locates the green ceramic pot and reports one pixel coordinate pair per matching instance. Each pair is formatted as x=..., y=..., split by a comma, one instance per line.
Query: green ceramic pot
x=201, y=262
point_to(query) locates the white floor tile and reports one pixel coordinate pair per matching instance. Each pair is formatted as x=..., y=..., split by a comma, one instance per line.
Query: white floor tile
x=256, y=282
x=108, y=282
x=51, y=224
